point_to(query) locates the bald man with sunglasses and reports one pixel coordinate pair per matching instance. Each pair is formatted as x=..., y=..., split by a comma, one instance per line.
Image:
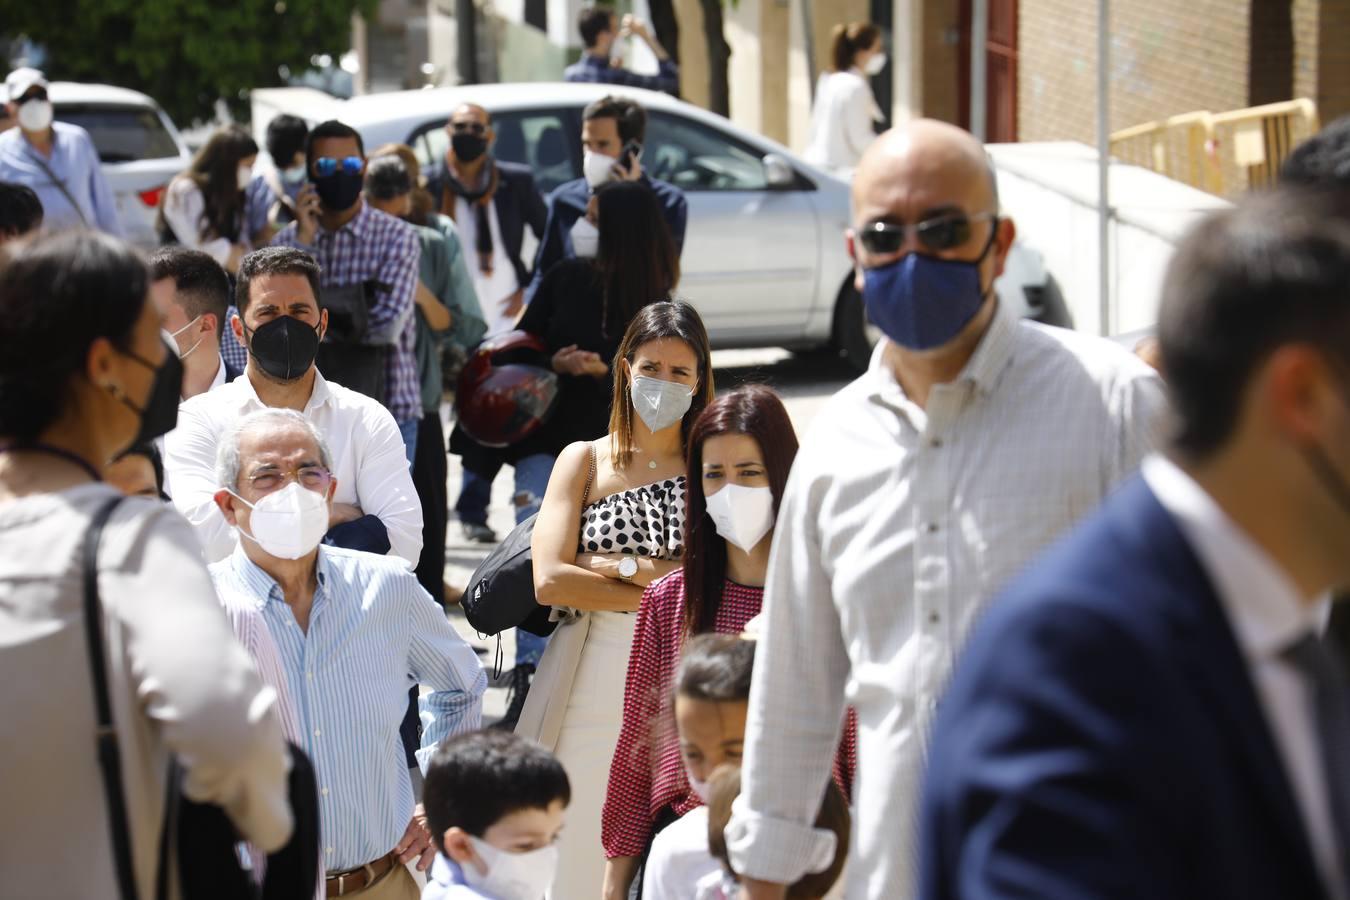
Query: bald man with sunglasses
x=972, y=441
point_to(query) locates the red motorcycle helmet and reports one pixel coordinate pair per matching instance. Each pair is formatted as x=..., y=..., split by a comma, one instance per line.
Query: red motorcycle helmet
x=506, y=390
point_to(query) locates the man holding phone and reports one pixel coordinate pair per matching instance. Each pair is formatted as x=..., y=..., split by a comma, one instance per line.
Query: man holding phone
x=600, y=29
x=612, y=131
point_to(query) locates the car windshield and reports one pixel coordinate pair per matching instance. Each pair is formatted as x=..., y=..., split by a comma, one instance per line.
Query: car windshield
x=121, y=133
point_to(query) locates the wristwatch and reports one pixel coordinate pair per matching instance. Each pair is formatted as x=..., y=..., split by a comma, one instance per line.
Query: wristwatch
x=628, y=567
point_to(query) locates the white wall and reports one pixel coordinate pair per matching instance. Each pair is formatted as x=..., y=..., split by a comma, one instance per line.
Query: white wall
x=1050, y=191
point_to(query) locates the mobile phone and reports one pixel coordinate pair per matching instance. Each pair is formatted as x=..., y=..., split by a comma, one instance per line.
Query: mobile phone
x=630, y=152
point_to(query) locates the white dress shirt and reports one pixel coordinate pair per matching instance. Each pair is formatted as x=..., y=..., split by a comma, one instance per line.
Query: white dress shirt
x=1268, y=616
x=183, y=209
x=679, y=858
x=841, y=121
x=369, y=461
x=897, y=525
x=493, y=289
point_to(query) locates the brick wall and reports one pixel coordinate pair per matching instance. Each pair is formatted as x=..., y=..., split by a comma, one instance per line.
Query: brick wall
x=941, y=59
x=1167, y=57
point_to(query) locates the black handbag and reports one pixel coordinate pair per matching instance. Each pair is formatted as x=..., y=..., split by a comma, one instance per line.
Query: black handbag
x=199, y=835
x=500, y=593
x=345, y=357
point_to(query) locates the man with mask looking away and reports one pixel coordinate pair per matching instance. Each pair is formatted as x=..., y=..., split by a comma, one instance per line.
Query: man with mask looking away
x=972, y=441
x=375, y=506
x=356, y=245
x=56, y=159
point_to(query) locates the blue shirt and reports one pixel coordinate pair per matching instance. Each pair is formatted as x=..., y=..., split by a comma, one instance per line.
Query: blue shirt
x=568, y=202
x=258, y=200
x=74, y=163
x=373, y=633
x=597, y=70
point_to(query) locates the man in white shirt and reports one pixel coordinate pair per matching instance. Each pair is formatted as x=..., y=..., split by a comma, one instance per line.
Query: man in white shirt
x=972, y=441
x=376, y=507
x=192, y=293
x=1150, y=709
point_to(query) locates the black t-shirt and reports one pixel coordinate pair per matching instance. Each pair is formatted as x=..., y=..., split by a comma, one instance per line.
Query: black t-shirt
x=569, y=309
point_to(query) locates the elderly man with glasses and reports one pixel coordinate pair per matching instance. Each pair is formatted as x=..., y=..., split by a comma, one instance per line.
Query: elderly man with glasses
x=353, y=630
x=57, y=160
x=973, y=440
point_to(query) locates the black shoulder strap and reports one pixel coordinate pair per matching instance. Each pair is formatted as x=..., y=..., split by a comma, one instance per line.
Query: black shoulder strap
x=109, y=756
x=60, y=186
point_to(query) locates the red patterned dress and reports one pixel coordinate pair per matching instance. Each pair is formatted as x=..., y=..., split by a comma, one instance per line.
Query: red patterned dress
x=647, y=772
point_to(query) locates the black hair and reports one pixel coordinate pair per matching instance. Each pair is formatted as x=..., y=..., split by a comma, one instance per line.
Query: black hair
x=629, y=116
x=20, y=209
x=847, y=39
x=273, y=261
x=58, y=295
x=1272, y=271
x=1323, y=160
x=215, y=171
x=387, y=177
x=636, y=261
x=476, y=779
x=150, y=452
x=593, y=21
x=331, y=129
x=200, y=284
x=717, y=668
x=285, y=137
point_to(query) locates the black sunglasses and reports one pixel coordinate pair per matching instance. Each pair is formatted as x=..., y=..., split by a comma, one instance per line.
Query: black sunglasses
x=477, y=128
x=39, y=94
x=937, y=234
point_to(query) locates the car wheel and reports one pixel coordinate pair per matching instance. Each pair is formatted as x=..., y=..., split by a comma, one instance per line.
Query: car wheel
x=854, y=337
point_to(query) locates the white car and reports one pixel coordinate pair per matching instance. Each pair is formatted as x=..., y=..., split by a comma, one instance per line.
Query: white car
x=138, y=145
x=764, y=258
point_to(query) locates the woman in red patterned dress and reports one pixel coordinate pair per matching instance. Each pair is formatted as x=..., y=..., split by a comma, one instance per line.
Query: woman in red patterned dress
x=740, y=451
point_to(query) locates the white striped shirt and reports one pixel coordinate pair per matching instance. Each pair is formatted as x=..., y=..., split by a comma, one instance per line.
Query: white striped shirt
x=373, y=633
x=897, y=524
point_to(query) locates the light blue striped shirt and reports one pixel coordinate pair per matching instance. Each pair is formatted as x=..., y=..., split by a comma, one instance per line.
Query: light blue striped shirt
x=373, y=633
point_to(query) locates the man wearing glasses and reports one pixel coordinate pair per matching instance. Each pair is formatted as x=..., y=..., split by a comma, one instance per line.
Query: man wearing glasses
x=56, y=159
x=363, y=250
x=375, y=506
x=491, y=202
x=351, y=631
x=972, y=441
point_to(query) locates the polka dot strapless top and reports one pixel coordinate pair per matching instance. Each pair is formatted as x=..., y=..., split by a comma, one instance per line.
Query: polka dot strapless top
x=645, y=521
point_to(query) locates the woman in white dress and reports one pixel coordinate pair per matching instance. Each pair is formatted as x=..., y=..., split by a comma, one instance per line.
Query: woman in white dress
x=203, y=209
x=841, y=121
x=612, y=522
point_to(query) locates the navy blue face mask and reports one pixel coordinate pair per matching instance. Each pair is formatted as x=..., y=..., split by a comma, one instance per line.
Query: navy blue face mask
x=922, y=302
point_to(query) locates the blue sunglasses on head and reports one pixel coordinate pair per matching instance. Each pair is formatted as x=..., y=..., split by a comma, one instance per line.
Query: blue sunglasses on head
x=326, y=165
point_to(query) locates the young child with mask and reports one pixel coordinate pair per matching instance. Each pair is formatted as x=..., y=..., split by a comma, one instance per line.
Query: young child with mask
x=494, y=805
x=741, y=449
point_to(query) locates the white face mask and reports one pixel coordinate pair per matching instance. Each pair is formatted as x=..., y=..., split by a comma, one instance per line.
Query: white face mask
x=288, y=523
x=742, y=515
x=585, y=239
x=700, y=788
x=596, y=167
x=294, y=175
x=173, y=339
x=35, y=115
x=245, y=176
x=512, y=876
x=875, y=64
x=659, y=404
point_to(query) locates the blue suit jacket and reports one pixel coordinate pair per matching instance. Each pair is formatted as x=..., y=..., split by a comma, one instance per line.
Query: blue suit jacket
x=518, y=204
x=1102, y=737
x=568, y=202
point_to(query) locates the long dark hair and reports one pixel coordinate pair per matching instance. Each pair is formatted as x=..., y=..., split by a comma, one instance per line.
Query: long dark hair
x=215, y=171
x=847, y=40
x=58, y=295
x=636, y=261
x=673, y=319
x=754, y=411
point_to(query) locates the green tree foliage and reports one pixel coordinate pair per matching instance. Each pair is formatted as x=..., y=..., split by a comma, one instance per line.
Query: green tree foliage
x=184, y=53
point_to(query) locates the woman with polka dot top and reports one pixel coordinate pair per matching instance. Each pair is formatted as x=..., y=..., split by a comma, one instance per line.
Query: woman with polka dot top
x=740, y=452
x=611, y=523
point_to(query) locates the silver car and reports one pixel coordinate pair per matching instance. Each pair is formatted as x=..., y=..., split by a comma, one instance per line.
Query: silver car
x=139, y=147
x=764, y=258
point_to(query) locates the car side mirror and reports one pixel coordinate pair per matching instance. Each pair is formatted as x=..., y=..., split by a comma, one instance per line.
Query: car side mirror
x=778, y=172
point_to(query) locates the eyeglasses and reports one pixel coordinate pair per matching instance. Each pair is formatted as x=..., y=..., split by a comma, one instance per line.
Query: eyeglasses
x=312, y=478
x=327, y=165
x=477, y=128
x=939, y=233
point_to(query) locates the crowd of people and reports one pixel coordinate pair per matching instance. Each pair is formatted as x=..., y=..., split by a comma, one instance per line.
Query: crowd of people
x=1021, y=614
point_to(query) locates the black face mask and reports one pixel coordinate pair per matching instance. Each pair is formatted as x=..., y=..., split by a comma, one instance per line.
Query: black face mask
x=467, y=145
x=159, y=415
x=339, y=191
x=284, y=347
